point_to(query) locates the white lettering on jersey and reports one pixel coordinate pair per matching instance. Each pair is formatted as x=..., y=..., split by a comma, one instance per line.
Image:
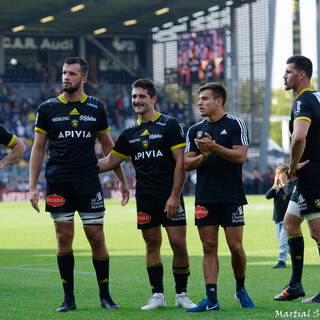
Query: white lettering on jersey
x=135, y=140
x=148, y=154
x=161, y=123
x=298, y=107
x=87, y=118
x=56, y=119
x=74, y=134
x=155, y=136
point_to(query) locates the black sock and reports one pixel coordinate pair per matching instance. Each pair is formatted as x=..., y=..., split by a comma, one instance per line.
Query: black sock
x=181, y=275
x=239, y=283
x=66, y=266
x=296, y=246
x=101, y=265
x=155, y=273
x=211, y=290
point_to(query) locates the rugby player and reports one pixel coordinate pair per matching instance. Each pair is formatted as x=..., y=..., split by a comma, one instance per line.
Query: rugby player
x=14, y=143
x=217, y=147
x=70, y=125
x=305, y=164
x=156, y=146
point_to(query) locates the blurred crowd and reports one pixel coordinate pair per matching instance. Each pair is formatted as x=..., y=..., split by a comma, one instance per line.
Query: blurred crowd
x=17, y=113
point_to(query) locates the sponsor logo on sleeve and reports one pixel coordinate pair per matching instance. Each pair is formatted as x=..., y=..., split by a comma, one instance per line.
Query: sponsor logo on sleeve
x=201, y=212
x=298, y=107
x=54, y=200
x=143, y=218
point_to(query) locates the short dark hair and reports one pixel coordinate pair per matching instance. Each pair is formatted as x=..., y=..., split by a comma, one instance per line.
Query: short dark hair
x=302, y=63
x=218, y=90
x=83, y=64
x=145, y=84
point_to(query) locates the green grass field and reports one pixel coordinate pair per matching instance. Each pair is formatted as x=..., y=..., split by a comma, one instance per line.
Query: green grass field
x=30, y=284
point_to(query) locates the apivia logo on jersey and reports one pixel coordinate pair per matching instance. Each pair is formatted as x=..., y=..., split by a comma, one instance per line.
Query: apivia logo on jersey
x=148, y=154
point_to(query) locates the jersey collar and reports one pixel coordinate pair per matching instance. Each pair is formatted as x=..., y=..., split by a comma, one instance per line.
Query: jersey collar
x=65, y=101
x=152, y=120
x=302, y=91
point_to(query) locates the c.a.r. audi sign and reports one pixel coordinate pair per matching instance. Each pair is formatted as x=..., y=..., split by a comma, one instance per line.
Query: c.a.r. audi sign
x=35, y=43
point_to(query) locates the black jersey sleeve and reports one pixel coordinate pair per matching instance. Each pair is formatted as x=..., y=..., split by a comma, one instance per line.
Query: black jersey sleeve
x=176, y=135
x=121, y=149
x=6, y=137
x=301, y=109
x=240, y=136
x=41, y=124
x=102, y=121
x=191, y=146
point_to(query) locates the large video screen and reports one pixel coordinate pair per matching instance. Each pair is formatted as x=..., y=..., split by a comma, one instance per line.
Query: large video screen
x=200, y=56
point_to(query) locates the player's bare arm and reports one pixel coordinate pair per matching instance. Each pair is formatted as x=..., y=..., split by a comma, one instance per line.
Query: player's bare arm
x=193, y=160
x=107, y=144
x=298, y=143
x=238, y=154
x=36, y=159
x=17, y=150
x=173, y=203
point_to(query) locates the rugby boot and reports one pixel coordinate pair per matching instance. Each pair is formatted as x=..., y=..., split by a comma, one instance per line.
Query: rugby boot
x=108, y=303
x=205, y=305
x=290, y=293
x=244, y=299
x=67, y=305
x=314, y=299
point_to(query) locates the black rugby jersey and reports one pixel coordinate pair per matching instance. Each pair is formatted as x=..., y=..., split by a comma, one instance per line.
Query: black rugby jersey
x=71, y=128
x=6, y=137
x=218, y=180
x=307, y=106
x=150, y=145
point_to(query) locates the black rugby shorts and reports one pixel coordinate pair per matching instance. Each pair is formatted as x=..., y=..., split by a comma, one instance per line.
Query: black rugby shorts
x=150, y=212
x=224, y=214
x=75, y=196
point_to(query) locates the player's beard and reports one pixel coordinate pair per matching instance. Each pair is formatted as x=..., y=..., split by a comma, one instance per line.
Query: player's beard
x=73, y=88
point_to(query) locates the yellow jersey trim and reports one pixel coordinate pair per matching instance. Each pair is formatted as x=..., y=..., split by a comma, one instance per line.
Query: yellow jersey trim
x=152, y=120
x=65, y=101
x=302, y=118
x=11, y=141
x=103, y=131
x=302, y=91
x=84, y=98
x=177, y=146
x=40, y=130
x=120, y=155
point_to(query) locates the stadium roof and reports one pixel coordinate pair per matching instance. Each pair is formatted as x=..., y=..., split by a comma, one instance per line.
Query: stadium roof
x=97, y=14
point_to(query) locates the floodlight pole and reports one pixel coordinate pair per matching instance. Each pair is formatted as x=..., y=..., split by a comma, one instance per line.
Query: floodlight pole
x=267, y=89
x=318, y=42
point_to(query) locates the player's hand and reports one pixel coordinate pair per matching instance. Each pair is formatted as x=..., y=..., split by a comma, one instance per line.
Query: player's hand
x=172, y=207
x=34, y=198
x=205, y=144
x=125, y=192
x=292, y=170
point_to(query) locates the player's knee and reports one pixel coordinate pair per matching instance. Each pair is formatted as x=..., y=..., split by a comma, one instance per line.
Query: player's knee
x=152, y=244
x=315, y=235
x=209, y=246
x=236, y=248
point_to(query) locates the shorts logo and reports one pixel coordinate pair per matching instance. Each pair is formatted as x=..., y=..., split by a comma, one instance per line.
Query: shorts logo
x=237, y=217
x=143, y=218
x=317, y=203
x=97, y=202
x=54, y=200
x=201, y=212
